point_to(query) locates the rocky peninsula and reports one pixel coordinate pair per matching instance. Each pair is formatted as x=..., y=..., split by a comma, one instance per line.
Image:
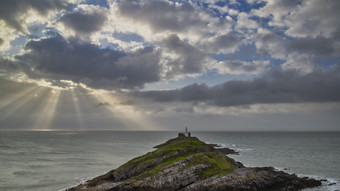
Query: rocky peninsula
x=186, y=163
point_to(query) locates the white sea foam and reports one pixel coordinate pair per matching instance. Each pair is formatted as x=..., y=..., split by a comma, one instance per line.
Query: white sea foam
x=243, y=149
x=219, y=145
x=231, y=146
x=328, y=184
x=80, y=180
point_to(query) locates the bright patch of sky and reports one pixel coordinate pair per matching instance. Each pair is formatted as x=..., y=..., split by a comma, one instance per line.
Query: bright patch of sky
x=128, y=37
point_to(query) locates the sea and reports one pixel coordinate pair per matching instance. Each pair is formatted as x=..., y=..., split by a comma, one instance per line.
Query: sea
x=56, y=160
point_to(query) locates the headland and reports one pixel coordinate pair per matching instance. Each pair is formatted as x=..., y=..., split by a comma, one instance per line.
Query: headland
x=186, y=163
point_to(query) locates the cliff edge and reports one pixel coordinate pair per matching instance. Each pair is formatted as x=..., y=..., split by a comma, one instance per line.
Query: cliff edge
x=186, y=163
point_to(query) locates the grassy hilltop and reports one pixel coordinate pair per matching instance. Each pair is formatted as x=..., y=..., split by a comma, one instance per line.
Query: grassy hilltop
x=186, y=163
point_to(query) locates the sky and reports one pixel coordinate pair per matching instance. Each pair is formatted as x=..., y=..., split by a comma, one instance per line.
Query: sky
x=247, y=65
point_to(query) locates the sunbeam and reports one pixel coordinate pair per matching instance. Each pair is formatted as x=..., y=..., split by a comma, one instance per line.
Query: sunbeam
x=76, y=107
x=19, y=101
x=45, y=115
x=19, y=94
x=127, y=114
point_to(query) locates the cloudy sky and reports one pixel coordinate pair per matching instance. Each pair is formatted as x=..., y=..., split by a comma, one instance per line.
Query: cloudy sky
x=167, y=64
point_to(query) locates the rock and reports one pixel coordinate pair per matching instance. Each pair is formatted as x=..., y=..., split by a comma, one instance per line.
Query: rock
x=254, y=179
x=213, y=145
x=227, y=151
x=186, y=163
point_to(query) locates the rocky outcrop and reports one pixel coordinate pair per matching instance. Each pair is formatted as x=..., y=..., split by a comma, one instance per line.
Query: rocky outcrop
x=265, y=178
x=186, y=163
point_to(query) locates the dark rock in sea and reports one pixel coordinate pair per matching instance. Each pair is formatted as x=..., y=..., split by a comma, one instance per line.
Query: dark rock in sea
x=186, y=163
x=224, y=150
x=227, y=151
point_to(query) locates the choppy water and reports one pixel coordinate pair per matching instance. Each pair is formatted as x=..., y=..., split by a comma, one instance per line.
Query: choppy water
x=33, y=160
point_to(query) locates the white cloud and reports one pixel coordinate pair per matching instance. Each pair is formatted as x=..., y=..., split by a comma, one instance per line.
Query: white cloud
x=241, y=67
x=303, y=62
x=233, y=12
x=255, y=1
x=224, y=43
x=18, y=16
x=276, y=10
x=243, y=21
x=6, y=35
x=314, y=18
x=224, y=9
x=234, y=2
x=269, y=44
x=311, y=18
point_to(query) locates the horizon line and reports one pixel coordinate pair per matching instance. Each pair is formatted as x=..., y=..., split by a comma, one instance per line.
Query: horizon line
x=166, y=130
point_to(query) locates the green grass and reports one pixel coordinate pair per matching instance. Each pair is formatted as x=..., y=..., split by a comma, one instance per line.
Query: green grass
x=218, y=165
x=182, y=144
x=176, y=150
x=160, y=166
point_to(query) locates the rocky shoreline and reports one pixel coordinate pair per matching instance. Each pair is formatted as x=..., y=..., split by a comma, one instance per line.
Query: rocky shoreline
x=186, y=163
x=227, y=151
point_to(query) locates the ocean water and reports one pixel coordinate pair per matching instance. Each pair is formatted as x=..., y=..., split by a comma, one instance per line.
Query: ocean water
x=55, y=160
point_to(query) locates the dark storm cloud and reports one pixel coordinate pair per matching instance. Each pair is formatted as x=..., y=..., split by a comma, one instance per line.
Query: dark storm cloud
x=7, y=66
x=319, y=46
x=190, y=58
x=161, y=15
x=11, y=10
x=58, y=58
x=84, y=23
x=1, y=41
x=277, y=86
